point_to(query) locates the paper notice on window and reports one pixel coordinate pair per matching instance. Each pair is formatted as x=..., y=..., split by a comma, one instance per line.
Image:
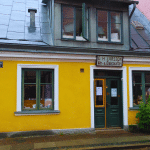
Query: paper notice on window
x=98, y=90
x=113, y=92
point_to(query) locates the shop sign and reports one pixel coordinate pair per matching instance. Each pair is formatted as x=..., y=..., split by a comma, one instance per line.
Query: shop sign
x=109, y=61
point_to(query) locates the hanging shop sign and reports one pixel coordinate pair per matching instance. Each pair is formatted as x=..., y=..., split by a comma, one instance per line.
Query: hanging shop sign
x=109, y=61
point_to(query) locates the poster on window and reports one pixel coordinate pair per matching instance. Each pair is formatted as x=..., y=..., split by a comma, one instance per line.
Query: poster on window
x=113, y=92
x=98, y=90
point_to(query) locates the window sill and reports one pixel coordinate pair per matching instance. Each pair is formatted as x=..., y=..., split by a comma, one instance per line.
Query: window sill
x=43, y=112
x=106, y=42
x=134, y=108
x=75, y=40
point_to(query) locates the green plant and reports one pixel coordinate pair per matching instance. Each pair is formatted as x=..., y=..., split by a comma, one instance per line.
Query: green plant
x=143, y=115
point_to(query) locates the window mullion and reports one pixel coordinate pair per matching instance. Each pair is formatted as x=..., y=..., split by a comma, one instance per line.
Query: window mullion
x=143, y=87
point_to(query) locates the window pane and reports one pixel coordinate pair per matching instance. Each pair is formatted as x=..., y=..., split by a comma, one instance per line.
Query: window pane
x=115, y=17
x=46, y=77
x=137, y=94
x=29, y=96
x=115, y=27
x=136, y=78
x=46, y=96
x=68, y=28
x=68, y=12
x=99, y=92
x=29, y=76
x=114, y=94
x=102, y=25
x=147, y=77
x=147, y=91
x=78, y=21
x=68, y=22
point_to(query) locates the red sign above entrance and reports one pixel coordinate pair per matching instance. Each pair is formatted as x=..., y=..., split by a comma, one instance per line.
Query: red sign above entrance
x=109, y=61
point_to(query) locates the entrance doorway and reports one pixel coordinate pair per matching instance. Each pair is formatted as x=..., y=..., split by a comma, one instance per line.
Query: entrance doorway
x=108, y=100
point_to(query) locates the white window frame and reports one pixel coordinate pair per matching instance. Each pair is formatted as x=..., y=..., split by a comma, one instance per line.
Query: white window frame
x=36, y=66
x=131, y=69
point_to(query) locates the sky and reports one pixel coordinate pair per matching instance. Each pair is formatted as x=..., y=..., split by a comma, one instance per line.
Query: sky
x=144, y=7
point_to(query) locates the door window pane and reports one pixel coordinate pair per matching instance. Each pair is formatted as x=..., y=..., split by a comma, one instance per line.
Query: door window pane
x=114, y=94
x=99, y=92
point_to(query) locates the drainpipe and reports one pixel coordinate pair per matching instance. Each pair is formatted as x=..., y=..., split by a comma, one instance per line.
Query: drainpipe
x=134, y=7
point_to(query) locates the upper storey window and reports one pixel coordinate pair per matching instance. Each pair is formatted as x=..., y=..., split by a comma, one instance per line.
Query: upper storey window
x=109, y=26
x=75, y=23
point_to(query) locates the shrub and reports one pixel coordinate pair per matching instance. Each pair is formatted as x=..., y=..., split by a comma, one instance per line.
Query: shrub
x=144, y=115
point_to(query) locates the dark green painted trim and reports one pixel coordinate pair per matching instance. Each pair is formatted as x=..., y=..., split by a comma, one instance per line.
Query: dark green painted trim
x=38, y=112
x=38, y=88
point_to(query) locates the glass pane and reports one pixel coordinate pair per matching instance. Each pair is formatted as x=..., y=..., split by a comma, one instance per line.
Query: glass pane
x=46, y=77
x=114, y=93
x=78, y=22
x=68, y=22
x=115, y=32
x=137, y=78
x=115, y=27
x=147, y=77
x=46, y=96
x=102, y=31
x=102, y=16
x=68, y=12
x=102, y=25
x=137, y=94
x=68, y=28
x=29, y=76
x=99, y=92
x=147, y=91
x=115, y=17
x=30, y=96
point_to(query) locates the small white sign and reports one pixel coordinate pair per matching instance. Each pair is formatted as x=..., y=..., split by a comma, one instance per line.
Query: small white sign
x=98, y=90
x=113, y=92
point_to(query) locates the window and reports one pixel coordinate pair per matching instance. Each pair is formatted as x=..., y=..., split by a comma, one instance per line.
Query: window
x=37, y=89
x=75, y=23
x=29, y=76
x=109, y=26
x=141, y=87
